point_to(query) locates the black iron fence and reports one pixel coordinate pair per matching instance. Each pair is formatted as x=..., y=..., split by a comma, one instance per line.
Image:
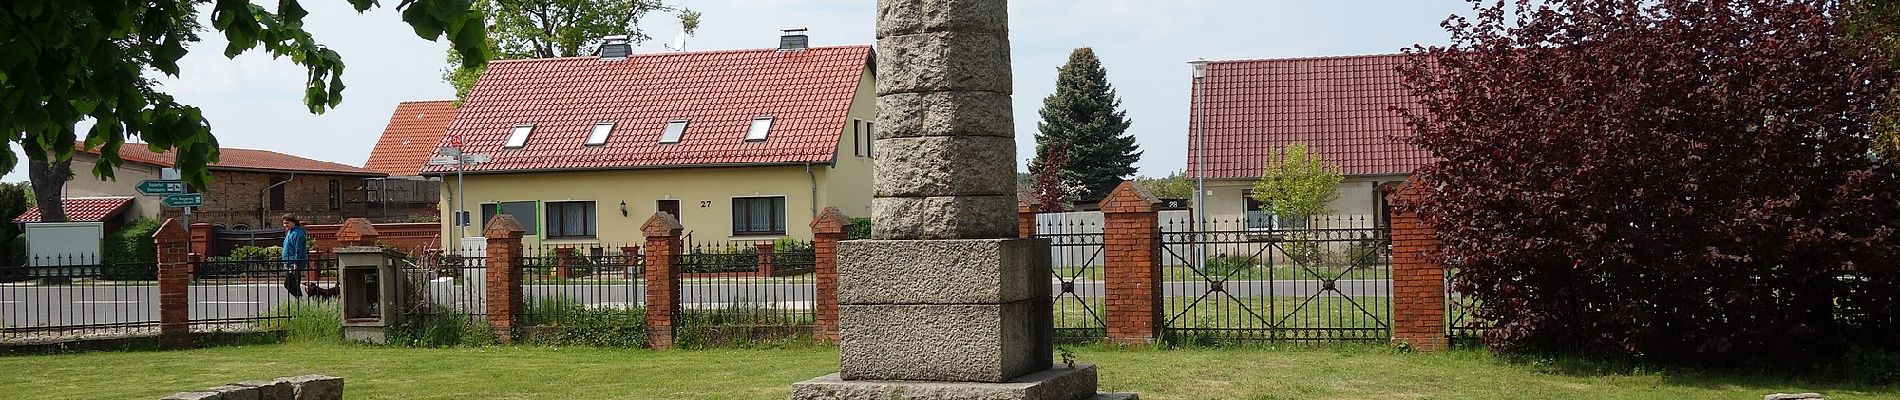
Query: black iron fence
x=228, y=294
x=77, y=297
x=565, y=285
x=1076, y=261
x=745, y=290
x=1315, y=279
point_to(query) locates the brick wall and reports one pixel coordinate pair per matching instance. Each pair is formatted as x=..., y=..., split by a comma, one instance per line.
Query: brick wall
x=235, y=197
x=1418, y=284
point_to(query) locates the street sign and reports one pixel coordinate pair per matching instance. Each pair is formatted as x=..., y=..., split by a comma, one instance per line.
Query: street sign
x=156, y=187
x=184, y=200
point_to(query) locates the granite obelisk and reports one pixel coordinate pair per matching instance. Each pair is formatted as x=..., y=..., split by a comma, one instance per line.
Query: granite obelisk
x=944, y=301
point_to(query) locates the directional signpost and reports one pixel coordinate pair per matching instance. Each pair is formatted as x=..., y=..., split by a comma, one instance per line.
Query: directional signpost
x=183, y=200
x=173, y=195
x=157, y=187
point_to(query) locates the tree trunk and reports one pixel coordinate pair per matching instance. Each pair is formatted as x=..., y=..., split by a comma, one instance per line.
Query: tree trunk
x=49, y=180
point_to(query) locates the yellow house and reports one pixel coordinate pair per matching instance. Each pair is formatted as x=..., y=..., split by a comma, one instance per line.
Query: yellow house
x=738, y=144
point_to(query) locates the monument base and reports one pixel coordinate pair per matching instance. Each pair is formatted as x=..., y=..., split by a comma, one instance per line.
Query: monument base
x=1060, y=383
x=367, y=334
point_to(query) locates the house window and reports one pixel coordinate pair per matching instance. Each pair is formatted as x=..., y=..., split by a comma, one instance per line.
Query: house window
x=570, y=219
x=1259, y=219
x=758, y=216
x=277, y=184
x=599, y=135
x=524, y=212
x=760, y=127
x=869, y=138
x=857, y=137
x=675, y=129
x=336, y=195
x=519, y=138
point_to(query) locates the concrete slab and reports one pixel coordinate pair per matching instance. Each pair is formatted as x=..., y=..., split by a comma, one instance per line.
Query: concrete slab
x=1052, y=384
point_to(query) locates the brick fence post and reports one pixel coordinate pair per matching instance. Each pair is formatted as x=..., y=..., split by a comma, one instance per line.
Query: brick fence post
x=1131, y=240
x=504, y=275
x=174, y=281
x=628, y=260
x=826, y=232
x=663, y=278
x=764, y=251
x=354, y=232
x=563, y=262
x=200, y=246
x=1418, y=284
x=1025, y=220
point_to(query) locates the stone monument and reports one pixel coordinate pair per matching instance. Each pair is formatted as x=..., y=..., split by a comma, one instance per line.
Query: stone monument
x=945, y=302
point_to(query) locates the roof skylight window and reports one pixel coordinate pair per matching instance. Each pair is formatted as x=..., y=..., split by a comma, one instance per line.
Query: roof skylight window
x=674, y=130
x=518, y=138
x=760, y=127
x=599, y=135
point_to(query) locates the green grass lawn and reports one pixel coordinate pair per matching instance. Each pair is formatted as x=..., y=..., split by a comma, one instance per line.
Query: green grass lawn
x=1346, y=372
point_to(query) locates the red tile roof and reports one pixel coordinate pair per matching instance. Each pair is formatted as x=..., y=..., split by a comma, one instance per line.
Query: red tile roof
x=243, y=160
x=1338, y=106
x=411, y=137
x=83, y=209
x=808, y=93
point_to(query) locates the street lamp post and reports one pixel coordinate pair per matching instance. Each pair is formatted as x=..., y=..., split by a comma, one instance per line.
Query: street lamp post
x=453, y=155
x=1200, y=160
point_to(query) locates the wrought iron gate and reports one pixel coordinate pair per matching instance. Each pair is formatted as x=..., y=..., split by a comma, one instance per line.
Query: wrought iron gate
x=1076, y=260
x=1321, y=279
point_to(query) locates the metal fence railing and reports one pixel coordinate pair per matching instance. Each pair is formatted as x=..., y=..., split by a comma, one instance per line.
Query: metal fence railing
x=1318, y=279
x=567, y=285
x=746, y=290
x=228, y=294
x=1076, y=266
x=77, y=297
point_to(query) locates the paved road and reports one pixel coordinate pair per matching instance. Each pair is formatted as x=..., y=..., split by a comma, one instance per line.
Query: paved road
x=30, y=306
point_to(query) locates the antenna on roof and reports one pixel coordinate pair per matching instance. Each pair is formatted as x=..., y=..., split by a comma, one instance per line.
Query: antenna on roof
x=679, y=41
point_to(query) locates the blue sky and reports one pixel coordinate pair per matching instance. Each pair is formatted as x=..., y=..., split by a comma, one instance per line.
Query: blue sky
x=254, y=101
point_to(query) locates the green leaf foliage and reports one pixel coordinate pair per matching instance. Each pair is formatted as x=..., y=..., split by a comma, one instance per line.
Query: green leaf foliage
x=1298, y=183
x=1085, y=116
x=62, y=62
x=523, y=29
x=1174, y=186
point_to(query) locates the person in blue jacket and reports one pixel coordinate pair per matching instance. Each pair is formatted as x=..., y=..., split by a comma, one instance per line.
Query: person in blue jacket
x=295, y=251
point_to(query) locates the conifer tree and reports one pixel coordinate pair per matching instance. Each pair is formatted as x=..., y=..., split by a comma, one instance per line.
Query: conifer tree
x=1084, y=115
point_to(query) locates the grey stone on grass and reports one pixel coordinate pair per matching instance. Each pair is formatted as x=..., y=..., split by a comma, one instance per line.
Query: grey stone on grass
x=965, y=113
x=1051, y=384
x=271, y=390
x=945, y=166
x=316, y=387
x=972, y=271
x=195, y=396
x=904, y=17
x=953, y=343
x=943, y=62
x=951, y=217
x=1116, y=396
x=1793, y=396
x=235, y=392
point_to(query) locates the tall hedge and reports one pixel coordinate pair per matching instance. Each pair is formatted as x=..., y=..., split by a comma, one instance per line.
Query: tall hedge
x=1673, y=180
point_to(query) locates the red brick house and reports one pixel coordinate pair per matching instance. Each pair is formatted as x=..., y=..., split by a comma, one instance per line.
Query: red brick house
x=249, y=188
x=1340, y=107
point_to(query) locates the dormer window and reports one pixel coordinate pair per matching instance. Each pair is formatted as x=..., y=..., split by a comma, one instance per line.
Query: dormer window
x=760, y=127
x=674, y=130
x=519, y=138
x=599, y=135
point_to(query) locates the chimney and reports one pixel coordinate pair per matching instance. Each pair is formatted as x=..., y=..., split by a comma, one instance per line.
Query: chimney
x=615, y=47
x=794, y=40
